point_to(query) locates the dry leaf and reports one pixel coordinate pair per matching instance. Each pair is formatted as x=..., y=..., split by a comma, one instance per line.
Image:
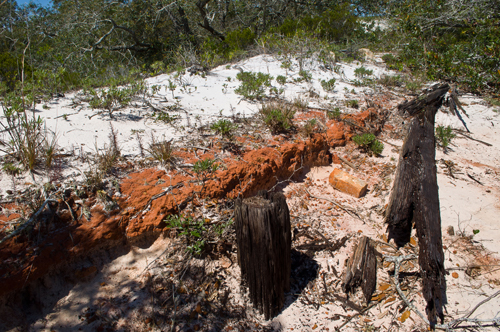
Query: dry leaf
x=383, y=287
x=413, y=241
x=382, y=315
x=404, y=316
x=454, y=275
x=315, y=326
x=390, y=299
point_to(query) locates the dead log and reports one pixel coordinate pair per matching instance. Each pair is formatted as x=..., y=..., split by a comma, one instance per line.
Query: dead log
x=414, y=199
x=263, y=235
x=361, y=270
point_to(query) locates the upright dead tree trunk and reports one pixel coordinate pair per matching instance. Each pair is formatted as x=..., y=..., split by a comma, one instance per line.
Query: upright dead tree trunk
x=264, y=249
x=414, y=198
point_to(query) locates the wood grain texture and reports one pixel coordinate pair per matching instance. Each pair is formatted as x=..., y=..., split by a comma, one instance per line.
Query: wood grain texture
x=414, y=200
x=263, y=235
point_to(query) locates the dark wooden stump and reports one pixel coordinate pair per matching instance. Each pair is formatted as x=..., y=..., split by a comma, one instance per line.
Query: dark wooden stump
x=414, y=199
x=264, y=249
x=361, y=270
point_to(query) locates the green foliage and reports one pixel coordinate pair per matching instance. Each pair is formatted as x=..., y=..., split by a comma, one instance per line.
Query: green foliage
x=444, y=135
x=193, y=230
x=333, y=114
x=27, y=140
x=114, y=97
x=335, y=24
x=369, y=143
x=277, y=116
x=390, y=81
x=205, y=167
x=224, y=127
x=352, y=103
x=281, y=79
x=11, y=169
x=165, y=117
x=240, y=39
x=161, y=150
x=328, y=85
x=362, y=72
x=309, y=127
x=253, y=84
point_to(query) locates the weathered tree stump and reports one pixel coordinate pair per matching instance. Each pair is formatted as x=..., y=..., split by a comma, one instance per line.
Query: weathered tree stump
x=361, y=269
x=414, y=199
x=264, y=249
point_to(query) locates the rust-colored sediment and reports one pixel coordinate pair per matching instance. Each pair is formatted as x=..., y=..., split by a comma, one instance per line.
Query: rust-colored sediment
x=23, y=260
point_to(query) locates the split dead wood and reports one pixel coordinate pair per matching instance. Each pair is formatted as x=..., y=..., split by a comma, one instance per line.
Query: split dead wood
x=361, y=269
x=323, y=244
x=414, y=199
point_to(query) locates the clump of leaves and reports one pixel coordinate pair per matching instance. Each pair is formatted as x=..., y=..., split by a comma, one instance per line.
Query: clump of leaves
x=352, y=103
x=281, y=79
x=369, y=143
x=388, y=80
x=304, y=76
x=253, y=84
x=362, y=72
x=224, y=127
x=310, y=127
x=277, y=116
x=205, y=166
x=165, y=117
x=192, y=230
x=444, y=135
x=161, y=150
x=11, y=169
x=328, y=85
x=333, y=114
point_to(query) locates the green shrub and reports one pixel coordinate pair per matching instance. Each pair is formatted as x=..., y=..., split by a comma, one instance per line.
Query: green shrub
x=253, y=84
x=11, y=169
x=333, y=114
x=328, y=85
x=224, y=127
x=352, y=103
x=161, y=150
x=205, y=167
x=281, y=79
x=240, y=39
x=369, y=143
x=362, y=72
x=309, y=127
x=277, y=116
x=444, y=135
x=193, y=230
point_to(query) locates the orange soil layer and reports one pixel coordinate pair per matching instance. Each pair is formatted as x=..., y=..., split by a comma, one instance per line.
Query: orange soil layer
x=22, y=260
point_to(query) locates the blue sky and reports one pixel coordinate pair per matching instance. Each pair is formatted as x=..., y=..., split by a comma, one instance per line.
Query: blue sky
x=45, y=3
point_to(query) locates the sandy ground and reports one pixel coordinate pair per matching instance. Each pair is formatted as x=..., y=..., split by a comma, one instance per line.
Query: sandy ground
x=121, y=294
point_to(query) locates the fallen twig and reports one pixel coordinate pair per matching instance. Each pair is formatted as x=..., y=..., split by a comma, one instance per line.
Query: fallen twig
x=348, y=162
x=349, y=212
x=472, y=178
x=29, y=222
x=454, y=324
x=163, y=193
x=471, y=138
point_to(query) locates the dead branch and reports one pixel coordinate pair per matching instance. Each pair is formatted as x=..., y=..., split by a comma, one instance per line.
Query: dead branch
x=29, y=222
x=349, y=211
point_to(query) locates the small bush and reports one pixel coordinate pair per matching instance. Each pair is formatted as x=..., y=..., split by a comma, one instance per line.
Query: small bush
x=192, y=230
x=161, y=151
x=281, y=79
x=11, y=169
x=278, y=117
x=328, y=85
x=333, y=114
x=253, y=84
x=352, y=103
x=205, y=167
x=224, y=127
x=388, y=80
x=362, y=72
x=368, y=143
x=310, y=127
x=444, y=135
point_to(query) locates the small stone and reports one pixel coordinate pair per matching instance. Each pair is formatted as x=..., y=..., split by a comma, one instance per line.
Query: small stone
x=347, y=183
x=450, y=230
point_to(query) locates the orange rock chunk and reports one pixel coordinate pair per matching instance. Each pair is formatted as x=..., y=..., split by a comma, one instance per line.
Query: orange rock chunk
x=347, y=183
